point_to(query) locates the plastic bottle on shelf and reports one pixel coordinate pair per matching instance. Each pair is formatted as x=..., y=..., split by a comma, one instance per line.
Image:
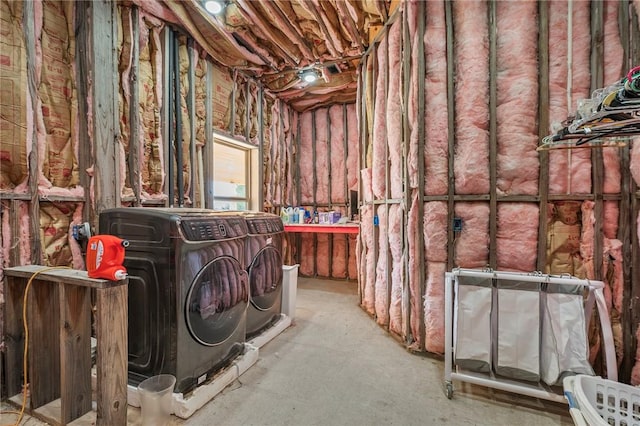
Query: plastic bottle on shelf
x=316, y=219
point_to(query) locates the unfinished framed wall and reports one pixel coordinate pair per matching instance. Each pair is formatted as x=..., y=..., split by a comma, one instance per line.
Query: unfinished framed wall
x=325, y=171
x=95, y=120
x=480, y=86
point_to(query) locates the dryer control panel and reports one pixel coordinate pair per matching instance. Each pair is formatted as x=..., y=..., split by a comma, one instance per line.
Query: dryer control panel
x=265, y=225
x=213, y=229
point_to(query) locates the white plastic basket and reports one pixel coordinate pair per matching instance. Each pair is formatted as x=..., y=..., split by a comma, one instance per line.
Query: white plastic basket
x=595, y=401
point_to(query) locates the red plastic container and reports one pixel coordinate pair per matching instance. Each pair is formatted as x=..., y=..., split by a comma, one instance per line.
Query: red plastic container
x=105, y=256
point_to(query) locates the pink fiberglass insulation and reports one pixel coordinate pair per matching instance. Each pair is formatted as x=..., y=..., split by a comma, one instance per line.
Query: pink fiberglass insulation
x=287, y=183
x=397, y=317
x=412, y=102
x=471, y=166
x=352, y=247
x=612, y=270
x=587, y=238
x=307, y=255
x=415, y=263
x=635, y=160
x=353, y=148
x=569, y=170
x=273, y=191
x=322, y=157
x=436, y=151
x=368, y=263
x=25, y=233
x=472, y=245
x=613, y=56
x=517, y=237
x=435, y=243
x=338, y=155
x=610, y=224
x=382, y=266
x=434, y=307
x=323, y=262
x=379, y=172
x=394, y=113
x=435, y=231
x=366, y=178
x=611, y=170
x=305, y=159
x=517, y=98
x=339, y=255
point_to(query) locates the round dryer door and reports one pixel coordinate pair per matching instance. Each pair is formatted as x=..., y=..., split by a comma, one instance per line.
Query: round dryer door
x=265, y=278
x=217, y=301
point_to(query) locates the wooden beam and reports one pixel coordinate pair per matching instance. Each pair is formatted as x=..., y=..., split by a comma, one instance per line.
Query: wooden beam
x=134, y=110
x=167, y=129
x=451, y=130
x=543, y=129
x=85, y=159
x=597, y=162
x=104, y=34
x=191, y=110
x=208, y=138
x=421, y=64
x=387, y=184
x=629, y=211
x=315, y=188
x=493, y=136
x=33, y=159
x=406, y=138
x=372, y=32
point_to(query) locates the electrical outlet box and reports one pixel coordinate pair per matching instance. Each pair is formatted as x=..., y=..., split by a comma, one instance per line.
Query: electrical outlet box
x=457, y=224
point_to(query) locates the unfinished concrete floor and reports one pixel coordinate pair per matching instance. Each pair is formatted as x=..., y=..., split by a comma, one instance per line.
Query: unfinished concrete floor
x=336, y=366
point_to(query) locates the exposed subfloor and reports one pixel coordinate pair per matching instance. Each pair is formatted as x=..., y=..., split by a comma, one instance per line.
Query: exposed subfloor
x=336, y=366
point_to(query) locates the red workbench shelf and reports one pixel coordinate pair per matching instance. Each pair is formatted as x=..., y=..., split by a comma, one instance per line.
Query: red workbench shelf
x=335, y=228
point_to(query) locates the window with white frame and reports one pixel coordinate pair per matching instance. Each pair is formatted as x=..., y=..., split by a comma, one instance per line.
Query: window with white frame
x=234, y=181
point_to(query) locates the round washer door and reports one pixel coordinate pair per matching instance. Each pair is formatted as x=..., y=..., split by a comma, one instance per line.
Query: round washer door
x=217, y=301
x=265, y=278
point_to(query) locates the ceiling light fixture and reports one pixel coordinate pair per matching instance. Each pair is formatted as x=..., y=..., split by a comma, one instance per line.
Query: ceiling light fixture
x=309, y=75
x=215, y=7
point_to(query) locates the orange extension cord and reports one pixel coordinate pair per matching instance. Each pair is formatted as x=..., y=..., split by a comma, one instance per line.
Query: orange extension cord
x=20, y=414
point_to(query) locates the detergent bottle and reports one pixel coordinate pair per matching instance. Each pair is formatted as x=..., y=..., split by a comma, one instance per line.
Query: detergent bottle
x=105, y=256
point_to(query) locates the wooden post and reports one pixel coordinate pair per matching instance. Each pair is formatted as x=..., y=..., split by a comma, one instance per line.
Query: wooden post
x=44, y=365
x=111, y=357
x=104, y=38
x=75, y=350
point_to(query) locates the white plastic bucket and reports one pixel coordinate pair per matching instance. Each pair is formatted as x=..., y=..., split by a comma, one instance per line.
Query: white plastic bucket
x=155, y=399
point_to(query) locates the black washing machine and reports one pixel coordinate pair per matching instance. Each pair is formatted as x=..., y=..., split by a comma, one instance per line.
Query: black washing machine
x=263, y=259
x=188, y=290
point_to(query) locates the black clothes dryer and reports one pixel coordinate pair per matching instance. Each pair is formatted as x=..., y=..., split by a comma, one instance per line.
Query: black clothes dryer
x=188, y=290
x=263, y=259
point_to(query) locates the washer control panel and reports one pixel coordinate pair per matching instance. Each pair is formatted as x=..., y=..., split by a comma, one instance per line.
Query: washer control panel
x=213, y=228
